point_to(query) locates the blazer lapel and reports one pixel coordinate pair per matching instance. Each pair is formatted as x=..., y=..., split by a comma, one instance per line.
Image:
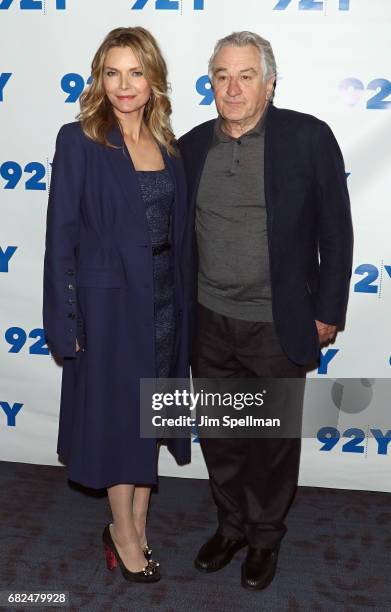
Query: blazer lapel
x=275, y=151
x=269, y=165
x=199, y=155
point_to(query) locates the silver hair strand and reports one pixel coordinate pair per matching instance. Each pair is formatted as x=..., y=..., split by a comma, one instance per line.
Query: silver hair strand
x=242, y=39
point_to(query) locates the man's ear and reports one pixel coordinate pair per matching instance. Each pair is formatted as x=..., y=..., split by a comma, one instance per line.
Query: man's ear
x=270, y=86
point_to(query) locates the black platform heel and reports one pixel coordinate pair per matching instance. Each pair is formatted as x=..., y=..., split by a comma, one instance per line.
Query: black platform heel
x=150, y=573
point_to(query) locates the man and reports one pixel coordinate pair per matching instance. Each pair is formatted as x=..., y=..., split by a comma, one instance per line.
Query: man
x=273, y=243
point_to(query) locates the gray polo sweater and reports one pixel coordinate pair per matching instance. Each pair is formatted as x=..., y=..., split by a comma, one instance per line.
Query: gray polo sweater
x=234, y=277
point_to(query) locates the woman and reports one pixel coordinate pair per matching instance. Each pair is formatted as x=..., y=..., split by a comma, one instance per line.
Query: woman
x=113, y=284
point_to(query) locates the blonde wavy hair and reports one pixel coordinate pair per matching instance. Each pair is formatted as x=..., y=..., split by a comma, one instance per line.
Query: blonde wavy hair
x=96, y=114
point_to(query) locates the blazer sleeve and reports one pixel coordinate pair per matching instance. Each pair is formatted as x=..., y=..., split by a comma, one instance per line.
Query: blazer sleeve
x=62, y=236
x=335, y=233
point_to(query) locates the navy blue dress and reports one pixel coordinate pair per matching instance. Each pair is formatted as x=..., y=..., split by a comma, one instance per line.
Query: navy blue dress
x=157, y=190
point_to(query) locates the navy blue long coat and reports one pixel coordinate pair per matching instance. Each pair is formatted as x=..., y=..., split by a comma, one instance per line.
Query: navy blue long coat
x=98, y=288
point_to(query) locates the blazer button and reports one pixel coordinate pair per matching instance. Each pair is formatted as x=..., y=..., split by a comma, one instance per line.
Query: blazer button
x=71, y=287
x=71, y=315
x=71, y=301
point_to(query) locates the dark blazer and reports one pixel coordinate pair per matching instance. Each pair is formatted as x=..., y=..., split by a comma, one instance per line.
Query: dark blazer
x=98, y=288
x=309, y=224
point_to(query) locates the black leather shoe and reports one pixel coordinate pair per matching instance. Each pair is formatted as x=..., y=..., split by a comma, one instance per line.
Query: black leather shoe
x=217, y=552
x=259, y=568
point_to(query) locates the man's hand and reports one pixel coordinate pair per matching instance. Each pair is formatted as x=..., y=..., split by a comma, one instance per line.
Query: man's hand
x=77, y=347
x=326, y=332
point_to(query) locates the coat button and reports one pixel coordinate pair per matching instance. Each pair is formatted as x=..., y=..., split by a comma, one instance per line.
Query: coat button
x=71, y=315
x=71, y=301
x=71, y=287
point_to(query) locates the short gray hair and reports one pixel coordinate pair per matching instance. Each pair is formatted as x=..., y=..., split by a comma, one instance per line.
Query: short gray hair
x=242, y=39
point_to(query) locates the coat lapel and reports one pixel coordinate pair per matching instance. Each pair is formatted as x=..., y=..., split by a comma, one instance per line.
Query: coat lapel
x=123, y=169
x=179, y=208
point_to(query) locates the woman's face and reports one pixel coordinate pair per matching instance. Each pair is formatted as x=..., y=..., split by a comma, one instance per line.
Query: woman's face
x=124, y=82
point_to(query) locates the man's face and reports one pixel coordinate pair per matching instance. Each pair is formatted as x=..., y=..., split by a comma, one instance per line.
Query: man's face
x=240, y=92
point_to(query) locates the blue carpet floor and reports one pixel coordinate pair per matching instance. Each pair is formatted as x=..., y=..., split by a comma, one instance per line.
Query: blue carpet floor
x=335, y=556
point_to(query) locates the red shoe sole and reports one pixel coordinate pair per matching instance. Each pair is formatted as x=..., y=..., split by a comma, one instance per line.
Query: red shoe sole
x=111, y=560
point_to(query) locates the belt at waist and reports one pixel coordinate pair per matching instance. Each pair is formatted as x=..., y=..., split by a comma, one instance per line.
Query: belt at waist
x=156, y=250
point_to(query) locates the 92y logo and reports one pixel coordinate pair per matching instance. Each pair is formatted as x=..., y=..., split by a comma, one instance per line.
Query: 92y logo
x=17, y=338
x=166, y=5
x=4, y=78
x=73, y=84
x=353, y=90
x=311, y=5
x=32, y=5
x=11, y=412
x=12, y=173
x=204, y=88
x=330, y=436
x=5, y=256
x=370, y=274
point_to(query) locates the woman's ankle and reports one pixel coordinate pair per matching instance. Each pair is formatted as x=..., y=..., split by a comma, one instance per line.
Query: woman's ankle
x=124, y=537
x=141, y=534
